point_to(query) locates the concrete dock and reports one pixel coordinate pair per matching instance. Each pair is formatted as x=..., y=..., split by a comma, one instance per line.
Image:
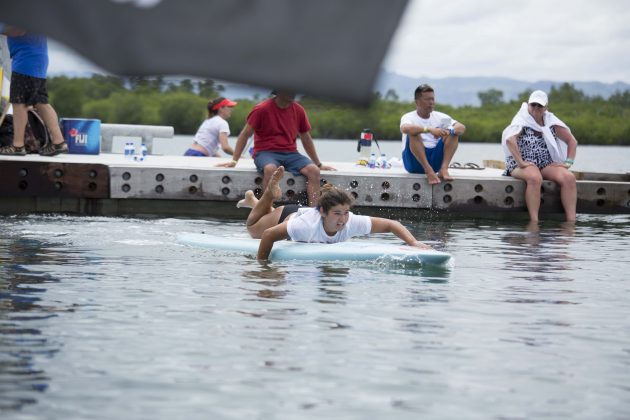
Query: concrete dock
x=110, y=184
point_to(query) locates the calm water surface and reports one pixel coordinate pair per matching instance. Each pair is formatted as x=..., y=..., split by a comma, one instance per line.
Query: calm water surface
x=610, y=159
x=105, y=318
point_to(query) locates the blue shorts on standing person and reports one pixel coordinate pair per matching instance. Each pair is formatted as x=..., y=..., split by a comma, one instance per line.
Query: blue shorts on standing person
x=292, y=161
x=435, y=156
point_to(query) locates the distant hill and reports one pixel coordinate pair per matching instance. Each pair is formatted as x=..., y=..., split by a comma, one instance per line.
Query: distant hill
x=455, y=91
x=459, y=91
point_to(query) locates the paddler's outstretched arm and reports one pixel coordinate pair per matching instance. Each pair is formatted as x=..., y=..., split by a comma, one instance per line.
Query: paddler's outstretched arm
x=269, y=237
x=381, y=225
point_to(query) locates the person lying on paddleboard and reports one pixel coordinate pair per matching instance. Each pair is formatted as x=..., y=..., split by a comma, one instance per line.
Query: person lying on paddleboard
x=331, y=221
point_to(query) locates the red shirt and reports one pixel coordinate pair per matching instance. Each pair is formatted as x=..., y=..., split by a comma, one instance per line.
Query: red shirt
x=276, y=129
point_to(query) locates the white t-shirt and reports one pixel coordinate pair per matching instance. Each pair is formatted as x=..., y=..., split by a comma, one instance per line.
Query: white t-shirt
x=208, y=133
x=306, y=225
x=436, y=119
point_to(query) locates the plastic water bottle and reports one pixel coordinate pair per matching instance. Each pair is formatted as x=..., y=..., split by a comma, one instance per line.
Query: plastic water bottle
x=127, y=150
x=132, y=150
x=144, y=150
x=372, y=161
x=383, y=161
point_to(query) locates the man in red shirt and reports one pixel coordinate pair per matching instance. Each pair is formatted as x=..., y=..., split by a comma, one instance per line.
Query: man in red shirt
x=275, y=124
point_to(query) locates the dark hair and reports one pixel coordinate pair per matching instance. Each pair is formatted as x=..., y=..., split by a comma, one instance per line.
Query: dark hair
x=421, y=89
x=213, y=103
x=332, y=196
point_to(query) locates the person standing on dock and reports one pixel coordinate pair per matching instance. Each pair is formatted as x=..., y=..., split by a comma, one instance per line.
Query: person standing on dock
x=214, y=131
x=29, y=61
x=276, y=124
x=430, y=138
x=537, y=146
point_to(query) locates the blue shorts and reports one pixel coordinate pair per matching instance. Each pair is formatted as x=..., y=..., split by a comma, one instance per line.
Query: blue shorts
x=435, y=156
x=193, y=152
x=292, y=161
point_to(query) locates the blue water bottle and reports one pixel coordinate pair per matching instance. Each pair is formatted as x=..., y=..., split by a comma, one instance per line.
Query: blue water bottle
x=127, y=150
x=383, y=164
x=144, y=150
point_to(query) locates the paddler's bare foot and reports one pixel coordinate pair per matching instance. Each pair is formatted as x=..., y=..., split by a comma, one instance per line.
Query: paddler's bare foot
x=445, y=175
x=249, y=201
x=273, y=186
x=433, y=179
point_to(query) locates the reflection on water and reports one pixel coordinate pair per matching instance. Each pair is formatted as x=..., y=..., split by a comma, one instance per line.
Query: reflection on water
x=541, y=254
x=111, y=318
x=331, y=285
x=21, y=315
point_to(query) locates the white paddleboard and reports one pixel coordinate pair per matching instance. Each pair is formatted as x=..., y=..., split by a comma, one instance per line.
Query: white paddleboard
x=289, y=250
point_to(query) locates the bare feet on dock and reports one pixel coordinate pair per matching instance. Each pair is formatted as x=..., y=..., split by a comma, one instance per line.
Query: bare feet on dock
x=273, y=186
x=445, y=175
x=433, y=179
x=249, y=201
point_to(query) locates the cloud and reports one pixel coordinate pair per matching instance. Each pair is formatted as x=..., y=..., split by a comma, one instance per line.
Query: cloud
x=533, y=40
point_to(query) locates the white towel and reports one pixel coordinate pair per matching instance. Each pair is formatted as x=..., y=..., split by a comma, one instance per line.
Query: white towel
x=557, y=148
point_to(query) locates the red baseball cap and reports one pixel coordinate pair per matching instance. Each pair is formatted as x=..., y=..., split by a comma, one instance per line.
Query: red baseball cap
x=223, y=102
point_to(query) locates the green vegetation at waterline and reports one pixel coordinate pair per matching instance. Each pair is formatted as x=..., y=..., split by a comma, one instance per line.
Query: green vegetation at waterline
x=593, y=120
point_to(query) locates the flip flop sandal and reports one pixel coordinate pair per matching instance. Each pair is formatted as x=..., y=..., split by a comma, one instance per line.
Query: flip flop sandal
x=455, y=165
x=471, y=165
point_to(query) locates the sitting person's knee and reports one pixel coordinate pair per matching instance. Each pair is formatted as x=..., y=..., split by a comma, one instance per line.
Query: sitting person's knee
x=568, y=179
x=414, y=138
x=534, y=179
x=270, y=168
x=310, y=170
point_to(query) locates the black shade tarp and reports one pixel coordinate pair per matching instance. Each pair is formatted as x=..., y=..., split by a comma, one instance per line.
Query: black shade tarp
x=327, y=48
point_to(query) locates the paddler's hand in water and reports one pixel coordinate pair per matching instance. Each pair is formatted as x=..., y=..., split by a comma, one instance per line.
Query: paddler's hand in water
x=420, y=245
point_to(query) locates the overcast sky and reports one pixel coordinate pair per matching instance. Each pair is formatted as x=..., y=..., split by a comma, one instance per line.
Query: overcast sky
x=558, y=40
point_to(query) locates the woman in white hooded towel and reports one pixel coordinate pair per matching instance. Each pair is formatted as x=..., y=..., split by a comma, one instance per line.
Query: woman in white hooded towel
x=537, y=146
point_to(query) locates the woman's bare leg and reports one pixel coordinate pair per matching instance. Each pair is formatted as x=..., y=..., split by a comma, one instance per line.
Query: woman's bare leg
x=568, y=188
x=532, y=176
x=263, y=215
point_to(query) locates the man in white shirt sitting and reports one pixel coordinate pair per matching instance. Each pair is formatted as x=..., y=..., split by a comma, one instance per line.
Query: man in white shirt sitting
x=430, y=138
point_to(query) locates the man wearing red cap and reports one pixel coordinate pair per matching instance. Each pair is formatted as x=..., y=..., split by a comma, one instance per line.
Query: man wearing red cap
x=275, y=124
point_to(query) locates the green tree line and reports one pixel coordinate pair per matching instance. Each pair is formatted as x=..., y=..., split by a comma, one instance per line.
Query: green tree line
x=593, y=119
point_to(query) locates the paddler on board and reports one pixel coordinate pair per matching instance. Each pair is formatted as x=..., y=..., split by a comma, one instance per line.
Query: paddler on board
x=330, y=221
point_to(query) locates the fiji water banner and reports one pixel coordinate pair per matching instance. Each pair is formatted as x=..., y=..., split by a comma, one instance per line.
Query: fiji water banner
x=83, y=136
